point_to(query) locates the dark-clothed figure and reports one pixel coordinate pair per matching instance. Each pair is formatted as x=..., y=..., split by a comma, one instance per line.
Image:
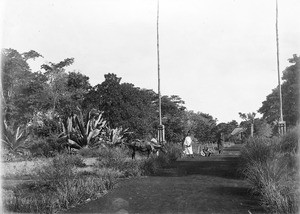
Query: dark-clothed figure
x=221, y=141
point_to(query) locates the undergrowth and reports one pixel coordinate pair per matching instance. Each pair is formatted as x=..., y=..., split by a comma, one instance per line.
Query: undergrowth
x=272, y=169
x=58, y=185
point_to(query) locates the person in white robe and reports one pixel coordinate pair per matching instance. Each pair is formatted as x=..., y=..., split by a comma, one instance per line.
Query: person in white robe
x=188, y=150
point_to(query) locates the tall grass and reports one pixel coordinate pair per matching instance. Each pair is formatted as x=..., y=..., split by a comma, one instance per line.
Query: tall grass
x=271, y=167
x=119, y=159
x=153, y=165
x=57, y=186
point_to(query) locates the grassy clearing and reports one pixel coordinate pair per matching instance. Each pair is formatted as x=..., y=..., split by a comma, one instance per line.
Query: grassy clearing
x=271, y=167
x=66, y=181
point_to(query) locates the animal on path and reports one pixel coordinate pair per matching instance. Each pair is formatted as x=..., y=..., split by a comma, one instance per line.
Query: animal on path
x=145, y=146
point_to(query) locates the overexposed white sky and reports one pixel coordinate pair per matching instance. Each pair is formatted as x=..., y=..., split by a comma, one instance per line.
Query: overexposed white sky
x=219, y=56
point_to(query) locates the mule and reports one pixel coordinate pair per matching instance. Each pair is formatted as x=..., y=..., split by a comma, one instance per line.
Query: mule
x=144, y=146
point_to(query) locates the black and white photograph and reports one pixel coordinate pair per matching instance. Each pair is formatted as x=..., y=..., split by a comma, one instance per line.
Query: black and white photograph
x=150, y=106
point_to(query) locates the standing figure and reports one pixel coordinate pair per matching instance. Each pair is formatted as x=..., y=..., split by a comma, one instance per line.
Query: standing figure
x=187, y=145
x=221, y=142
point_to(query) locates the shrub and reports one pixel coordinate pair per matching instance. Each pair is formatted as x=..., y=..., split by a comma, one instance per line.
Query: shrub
x=289, y=142
x=13, y=140
x=43, y=125
x=58, y=186
x=39, y=147
x=80, y=132
x=89, y=152
x=66, y=193
x=131, y=168
x=45, y=146
x=118, y=159
x=75, y=160
x=174, y=151
x=61, y=168
x=271, y=167
x=152, y=165
x=109, y=176
x=76, y=191
x=149, y=166
x=258, y=150
x=112, y=157
x=272, y=170
x=163, y=160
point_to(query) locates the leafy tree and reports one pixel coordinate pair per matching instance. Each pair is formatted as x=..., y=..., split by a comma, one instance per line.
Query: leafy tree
x=203, y=126
x=225, y=128
x=127, y=106
x=270, y=107
x=57, y=82
x=16, y=74
x=31, y=55
x=291, y=91
x=64, y=91
x=124, y=105
x=290, y=97
x=31, y=98
x=77, y=86
x=27, y=94
x=173, y=116
x=249, y=119
x=15, y=71
x=262, y=128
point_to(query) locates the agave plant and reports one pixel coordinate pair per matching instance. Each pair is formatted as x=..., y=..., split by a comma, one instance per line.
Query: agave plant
x=80, y=133
x=116, y=136
x=13, y=140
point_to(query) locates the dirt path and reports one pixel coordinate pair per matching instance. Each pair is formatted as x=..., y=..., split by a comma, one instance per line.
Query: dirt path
x=199, y=185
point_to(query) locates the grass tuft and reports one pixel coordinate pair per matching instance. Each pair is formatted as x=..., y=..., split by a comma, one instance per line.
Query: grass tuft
x=271, y=167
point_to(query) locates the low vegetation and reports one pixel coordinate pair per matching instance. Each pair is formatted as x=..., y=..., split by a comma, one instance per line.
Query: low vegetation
x=63, y=183
x=271, y=167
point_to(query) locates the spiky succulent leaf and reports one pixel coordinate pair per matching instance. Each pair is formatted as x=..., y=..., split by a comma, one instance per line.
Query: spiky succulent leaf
x=74, y=144
x=92, y=135
x=14, y=141
x=70, y=125
x=80, y=126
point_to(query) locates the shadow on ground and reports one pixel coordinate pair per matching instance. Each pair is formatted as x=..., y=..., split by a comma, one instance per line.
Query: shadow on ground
x=226, y=165
x=193, y=185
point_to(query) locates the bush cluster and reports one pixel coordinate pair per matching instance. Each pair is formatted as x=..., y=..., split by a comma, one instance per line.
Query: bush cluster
x=89, y=152
x=119, y=159
x=59, y=185
x=152, y=165
x=271, y=168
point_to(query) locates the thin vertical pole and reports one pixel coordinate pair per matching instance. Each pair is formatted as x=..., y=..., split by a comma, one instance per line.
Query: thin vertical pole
x=278, y=68
x=158, y=66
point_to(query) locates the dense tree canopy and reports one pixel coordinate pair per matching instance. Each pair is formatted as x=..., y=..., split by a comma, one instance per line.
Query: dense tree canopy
x=173, y=117
x=27, y=93
x=137, y=109
x=203, y=126
x=123, y=104
x=226, y=128
x=290, y=96
x=54, y=94
x=17, y=79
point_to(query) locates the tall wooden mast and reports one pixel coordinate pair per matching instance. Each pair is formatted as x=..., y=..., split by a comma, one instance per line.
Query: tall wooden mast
x=281, y=123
